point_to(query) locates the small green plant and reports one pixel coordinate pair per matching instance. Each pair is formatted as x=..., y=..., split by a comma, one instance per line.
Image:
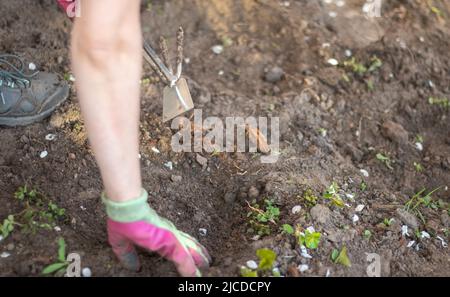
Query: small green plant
x=367, y=234
x=62, y=263
x=355, y=66
x=322, y=132
x=387, y=222
x=38, y=212
x=8, y=226
x=341, y=257
x=267, y=259
x=375, y=64
x=227, y=41
x=309, y=197
x=422, y=199
x=309, y=239
x=363, y=186
x=332, y=194
x=287, y=229
x=418, y=138
x=442, y=102
x=418, y=167
x=370, y=85
x=385, y=159
x=259, y=219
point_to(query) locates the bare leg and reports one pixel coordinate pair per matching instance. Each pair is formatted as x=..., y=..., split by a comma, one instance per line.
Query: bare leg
x=107, y=61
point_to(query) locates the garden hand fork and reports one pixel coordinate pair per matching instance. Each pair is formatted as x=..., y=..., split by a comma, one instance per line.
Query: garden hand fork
x=176, y=97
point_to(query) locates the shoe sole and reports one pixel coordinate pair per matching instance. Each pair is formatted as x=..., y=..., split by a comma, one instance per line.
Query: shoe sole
x=63, y=93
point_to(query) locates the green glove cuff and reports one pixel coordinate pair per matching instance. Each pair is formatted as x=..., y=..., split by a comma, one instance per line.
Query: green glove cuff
x=128, y=211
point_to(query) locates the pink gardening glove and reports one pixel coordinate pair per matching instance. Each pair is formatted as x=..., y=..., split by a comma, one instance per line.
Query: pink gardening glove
x=135, y=223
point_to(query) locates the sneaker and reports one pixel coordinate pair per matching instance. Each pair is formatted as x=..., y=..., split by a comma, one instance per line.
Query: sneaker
x=27, y=98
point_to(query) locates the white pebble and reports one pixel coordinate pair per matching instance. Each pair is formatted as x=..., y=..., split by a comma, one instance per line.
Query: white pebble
x=252, y=264
x=444, y=244
x=187, y=60
x=355, y=219
x=360, y=207
x=296, y=209
x=202, y=231
x=155, y=150
x=50, y=137
x=57, y=229
x=350, y=196
x=411, y=243
x=169, y=165
x=311, y=229
x=340, y=3
x=5, y=255
x=86, y=272
x=82, y=207
x=364, y=172
x=72, y=78
x=419, y=146
x=333, y=62
x=348, y=53
x=304, y=252
x=424, y=234
x=43, y=154
x=221, y=72
x=217, y=49
x=328, y=1
x=405, y=230
x=332, y=14
x=32, y=66
x=302, y=268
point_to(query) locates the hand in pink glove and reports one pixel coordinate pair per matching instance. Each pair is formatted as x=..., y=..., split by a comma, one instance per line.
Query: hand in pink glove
x=135, y=223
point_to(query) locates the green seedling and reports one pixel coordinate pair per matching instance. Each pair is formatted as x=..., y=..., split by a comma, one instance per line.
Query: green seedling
x=341, y=257
x=267, y=259
x=387, y=222
x=355, y=66
x=367, y=234
x=370, y=85
x=375, y=64
x=62, y=263
x=363, y=186
x=419, y=200
x=442, y=102
x=38, y=212
x=419, y=138
x=227, y=41
x=332, y=194
x=309, y=239
x=386, y=160
x=322, y=131
x=8, y=226
x=259, y=219
x=287, y=229
x=310, y=198
x=418, y=167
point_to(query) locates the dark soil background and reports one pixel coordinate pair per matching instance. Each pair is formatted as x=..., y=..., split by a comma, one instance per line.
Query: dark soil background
x=379, y=112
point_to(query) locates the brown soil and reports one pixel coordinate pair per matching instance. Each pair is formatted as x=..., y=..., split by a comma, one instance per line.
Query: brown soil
x=380, y=111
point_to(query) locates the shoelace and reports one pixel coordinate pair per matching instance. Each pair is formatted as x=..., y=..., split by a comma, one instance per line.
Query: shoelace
x=12, y=73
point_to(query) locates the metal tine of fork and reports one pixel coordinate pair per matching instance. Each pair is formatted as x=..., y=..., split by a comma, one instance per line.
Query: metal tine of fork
x=155, y=68
x=151, y=55
x=180, y=54
x=165, y=52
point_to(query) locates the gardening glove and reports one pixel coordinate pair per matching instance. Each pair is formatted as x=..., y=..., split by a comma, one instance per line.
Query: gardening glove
x=133, y=223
